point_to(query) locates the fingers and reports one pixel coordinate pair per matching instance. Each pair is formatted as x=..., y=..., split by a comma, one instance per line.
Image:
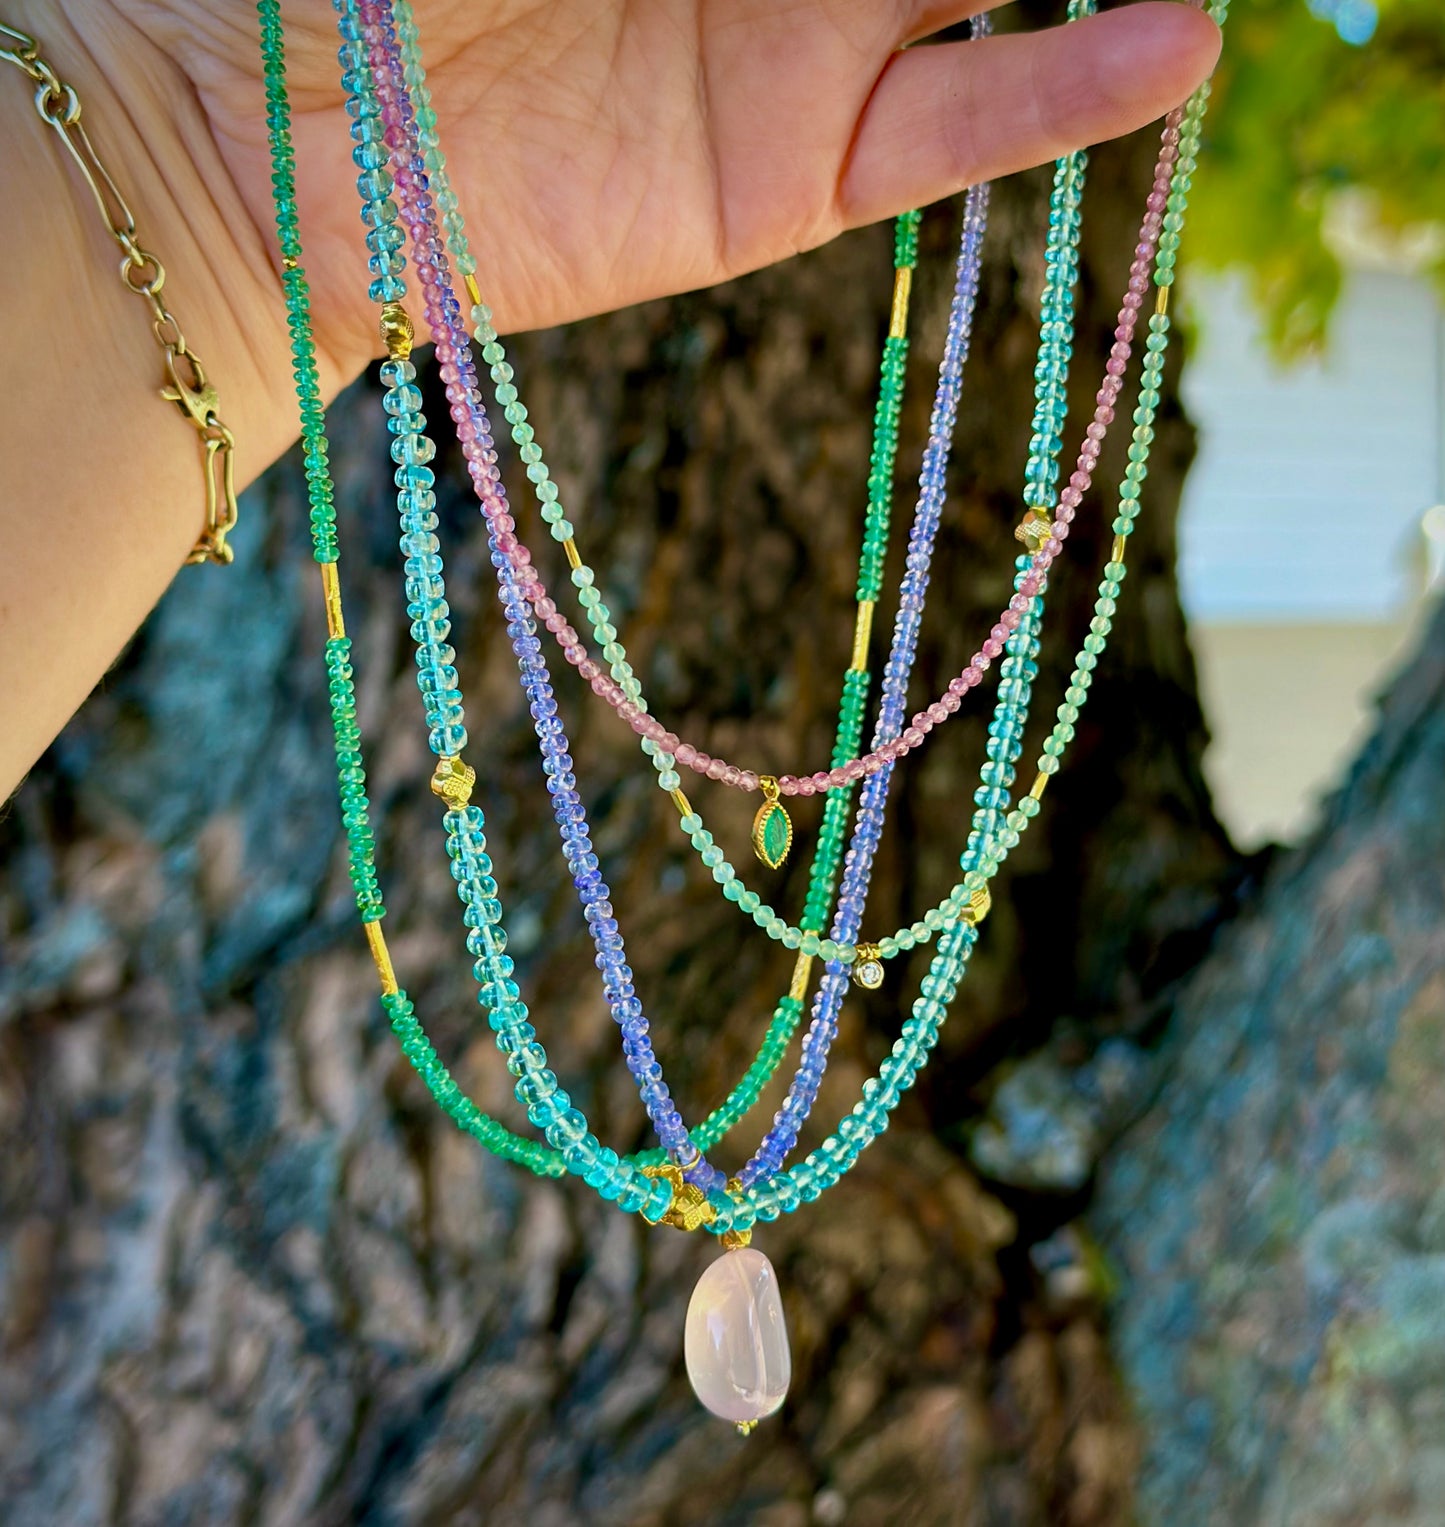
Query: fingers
x=945, y=117
x=918, y=19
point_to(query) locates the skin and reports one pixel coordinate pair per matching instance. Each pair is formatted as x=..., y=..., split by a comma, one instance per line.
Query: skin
x=608, y=151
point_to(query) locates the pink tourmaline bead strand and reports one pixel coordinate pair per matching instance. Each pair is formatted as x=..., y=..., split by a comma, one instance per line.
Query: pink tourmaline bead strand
x=481, y=460
x=972, y=675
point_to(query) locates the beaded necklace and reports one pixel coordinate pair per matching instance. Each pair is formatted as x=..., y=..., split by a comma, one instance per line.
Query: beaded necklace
x=726, y=1209
x=1042, y=473
x=772, y=833
x=389, y=104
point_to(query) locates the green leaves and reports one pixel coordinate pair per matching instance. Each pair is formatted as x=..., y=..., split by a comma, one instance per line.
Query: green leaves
x=1300, y=117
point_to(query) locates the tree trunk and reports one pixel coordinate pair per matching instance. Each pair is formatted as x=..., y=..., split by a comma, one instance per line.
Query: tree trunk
x=252, y=1275
x=1278, y=1213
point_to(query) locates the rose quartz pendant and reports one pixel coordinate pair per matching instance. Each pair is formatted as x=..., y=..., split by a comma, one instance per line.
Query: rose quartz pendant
x=736, y=1343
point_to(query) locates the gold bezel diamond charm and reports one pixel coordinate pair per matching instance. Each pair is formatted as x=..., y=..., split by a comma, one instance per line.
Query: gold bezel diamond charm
x=867, y=969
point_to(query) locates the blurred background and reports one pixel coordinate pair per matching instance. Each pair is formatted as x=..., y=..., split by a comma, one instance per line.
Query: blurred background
x=1159, y=1238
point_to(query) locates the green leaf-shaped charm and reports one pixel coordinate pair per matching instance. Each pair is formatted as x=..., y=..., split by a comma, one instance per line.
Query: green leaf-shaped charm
x=772, y=834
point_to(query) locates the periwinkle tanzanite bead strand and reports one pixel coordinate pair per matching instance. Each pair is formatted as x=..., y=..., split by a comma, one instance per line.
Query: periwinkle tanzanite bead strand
x=623, y=680
x=548, y=1106
x=1051, y=373
x=811, y=1177
x=857, y=865
x=397, y=112
x=621, y=689
x=828, y=850
x=377, y=99
x=416, y=480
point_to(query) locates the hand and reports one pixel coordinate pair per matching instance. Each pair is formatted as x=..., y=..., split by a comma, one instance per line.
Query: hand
x=609, y=151
x=606, y=151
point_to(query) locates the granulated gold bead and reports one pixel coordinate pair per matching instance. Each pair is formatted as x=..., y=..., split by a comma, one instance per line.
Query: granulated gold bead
x=689, y=1209
x=1034, y=531
x=452, y=780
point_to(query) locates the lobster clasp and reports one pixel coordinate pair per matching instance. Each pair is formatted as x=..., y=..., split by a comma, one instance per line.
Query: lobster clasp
x=193, y=395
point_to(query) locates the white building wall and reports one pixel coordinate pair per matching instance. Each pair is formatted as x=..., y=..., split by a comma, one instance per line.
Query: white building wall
x=1305, y=502
x=1302, y=559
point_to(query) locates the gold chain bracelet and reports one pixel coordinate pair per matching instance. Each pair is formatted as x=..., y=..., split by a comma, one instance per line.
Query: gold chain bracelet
x=186, y=386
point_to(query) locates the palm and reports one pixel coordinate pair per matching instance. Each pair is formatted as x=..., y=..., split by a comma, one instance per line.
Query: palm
x=613, y=150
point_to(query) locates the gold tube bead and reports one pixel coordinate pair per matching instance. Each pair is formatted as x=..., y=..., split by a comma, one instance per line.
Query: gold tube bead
x=902, y=290
x=1120, y=544
x=862, y=635
x=331, y=592
x=382, y=957
x=397, y=332
x=474, y=295
x=1161, y=302
x=574, y=559
x=684, y=806
x=802, y=971
x=1040, y=784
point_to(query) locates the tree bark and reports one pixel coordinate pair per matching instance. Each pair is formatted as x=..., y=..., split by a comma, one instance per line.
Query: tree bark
x=1277, y=1213
x=252, y=1275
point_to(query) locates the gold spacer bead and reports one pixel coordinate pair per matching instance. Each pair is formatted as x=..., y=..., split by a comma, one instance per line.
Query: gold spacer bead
x=978, y=906
x=862, y=634
x=902, y=290
x=689, y=1209
x=1040, y=784
x=381, y=958
x=397, y=332
x=684, y=806
x=289, y=262
x=1034, y=531
x=331, y=592
x=1161, y=302
x=574, y=557
x=735, y=1240
x=473, y=291
x=802, y=971
x=1121, y=544
x=452, y=781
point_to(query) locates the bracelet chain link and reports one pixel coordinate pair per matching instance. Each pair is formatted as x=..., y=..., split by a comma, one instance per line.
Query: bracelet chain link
x=187, y=385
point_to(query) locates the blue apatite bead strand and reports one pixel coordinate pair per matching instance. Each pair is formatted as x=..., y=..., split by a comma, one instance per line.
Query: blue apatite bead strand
x=592, y=890
x=425, y=591
x=781, y=1193
x=548, y=1107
